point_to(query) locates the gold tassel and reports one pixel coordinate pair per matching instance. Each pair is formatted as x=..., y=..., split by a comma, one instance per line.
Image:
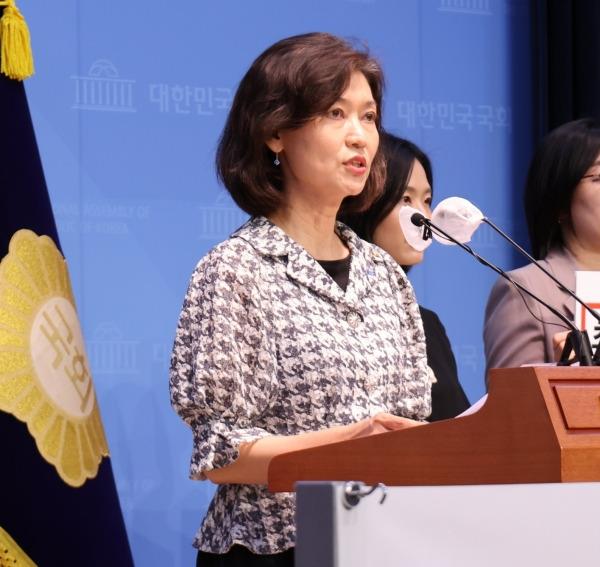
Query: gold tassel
x=15, y=45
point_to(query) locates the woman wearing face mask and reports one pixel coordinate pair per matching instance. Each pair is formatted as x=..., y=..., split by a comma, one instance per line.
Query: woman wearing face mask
x=294, y=332
x=410, y=182
x=562, y=206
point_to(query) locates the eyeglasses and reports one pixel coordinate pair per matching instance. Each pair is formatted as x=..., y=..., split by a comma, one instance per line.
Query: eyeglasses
x=595, y=177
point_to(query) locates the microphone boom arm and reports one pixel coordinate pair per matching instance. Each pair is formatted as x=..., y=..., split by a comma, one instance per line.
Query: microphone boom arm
x=577, y=341
x=560, y=285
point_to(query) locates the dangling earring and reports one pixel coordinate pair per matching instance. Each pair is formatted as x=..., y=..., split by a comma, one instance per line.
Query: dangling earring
x=276, y=160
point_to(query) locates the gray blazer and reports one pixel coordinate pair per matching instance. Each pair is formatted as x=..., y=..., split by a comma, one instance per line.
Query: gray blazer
x=512, y=336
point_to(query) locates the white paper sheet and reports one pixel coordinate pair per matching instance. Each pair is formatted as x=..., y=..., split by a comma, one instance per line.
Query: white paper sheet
x=587, y=287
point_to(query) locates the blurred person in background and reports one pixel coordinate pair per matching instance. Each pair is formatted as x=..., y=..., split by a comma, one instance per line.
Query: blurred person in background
x=562, y=207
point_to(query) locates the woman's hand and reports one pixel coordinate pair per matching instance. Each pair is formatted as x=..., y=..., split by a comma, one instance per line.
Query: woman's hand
x=558, y=342
x=384, y=423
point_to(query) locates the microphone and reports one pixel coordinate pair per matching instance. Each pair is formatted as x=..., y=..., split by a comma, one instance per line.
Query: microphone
x=458, y=217
x=577, y=341
x=418, y=219
x=455, y=211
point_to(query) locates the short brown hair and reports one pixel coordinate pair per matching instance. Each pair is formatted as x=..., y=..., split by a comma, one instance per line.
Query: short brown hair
x=289, y=84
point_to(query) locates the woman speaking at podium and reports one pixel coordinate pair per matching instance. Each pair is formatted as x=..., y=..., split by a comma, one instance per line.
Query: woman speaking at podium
x=562, y=206
x=294, y=332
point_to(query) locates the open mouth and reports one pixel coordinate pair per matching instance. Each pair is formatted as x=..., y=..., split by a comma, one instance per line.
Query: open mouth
x=357, y=161
x=357, y=165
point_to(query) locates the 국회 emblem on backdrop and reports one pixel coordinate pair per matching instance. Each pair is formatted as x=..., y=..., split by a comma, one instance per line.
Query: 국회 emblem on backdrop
x=45, y=379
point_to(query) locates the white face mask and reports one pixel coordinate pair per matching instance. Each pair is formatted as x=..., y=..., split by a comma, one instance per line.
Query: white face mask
x=414, y=235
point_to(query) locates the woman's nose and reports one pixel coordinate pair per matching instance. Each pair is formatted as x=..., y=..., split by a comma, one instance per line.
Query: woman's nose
x=356, y=134
x=424, y=208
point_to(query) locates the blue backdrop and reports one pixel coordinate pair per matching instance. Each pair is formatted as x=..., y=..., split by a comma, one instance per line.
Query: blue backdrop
x=128, y=101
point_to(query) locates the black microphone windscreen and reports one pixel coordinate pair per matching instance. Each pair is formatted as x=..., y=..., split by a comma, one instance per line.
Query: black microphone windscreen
x=417, y=219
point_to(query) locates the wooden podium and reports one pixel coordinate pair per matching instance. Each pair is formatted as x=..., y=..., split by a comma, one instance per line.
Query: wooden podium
x=538, y=425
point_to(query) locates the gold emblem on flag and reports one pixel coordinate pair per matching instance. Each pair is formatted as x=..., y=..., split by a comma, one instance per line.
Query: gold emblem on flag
x=11, y=555
x=45, y=378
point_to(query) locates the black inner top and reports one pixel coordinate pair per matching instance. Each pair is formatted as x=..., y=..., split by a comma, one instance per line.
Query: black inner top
x=339, y=270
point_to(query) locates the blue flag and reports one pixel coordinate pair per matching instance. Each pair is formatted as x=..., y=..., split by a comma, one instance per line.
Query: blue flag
x=58, y=501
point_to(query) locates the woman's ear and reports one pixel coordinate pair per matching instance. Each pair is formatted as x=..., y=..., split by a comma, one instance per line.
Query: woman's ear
x=275, y=144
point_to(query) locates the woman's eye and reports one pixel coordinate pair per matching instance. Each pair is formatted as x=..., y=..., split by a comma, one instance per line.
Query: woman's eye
x=593, y=177
x=336, y=113
x=406, y=200
x=370, y=116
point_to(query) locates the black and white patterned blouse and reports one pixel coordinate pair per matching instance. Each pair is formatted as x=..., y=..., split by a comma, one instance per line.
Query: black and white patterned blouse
x=269, y=344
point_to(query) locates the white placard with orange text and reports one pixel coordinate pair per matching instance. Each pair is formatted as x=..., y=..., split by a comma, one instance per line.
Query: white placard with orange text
x=587, y=287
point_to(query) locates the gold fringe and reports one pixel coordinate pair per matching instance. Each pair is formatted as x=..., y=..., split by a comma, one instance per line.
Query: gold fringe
x=15, y=44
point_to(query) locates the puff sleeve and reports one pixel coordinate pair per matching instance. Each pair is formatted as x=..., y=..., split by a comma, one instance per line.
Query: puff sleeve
x=223, y=364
